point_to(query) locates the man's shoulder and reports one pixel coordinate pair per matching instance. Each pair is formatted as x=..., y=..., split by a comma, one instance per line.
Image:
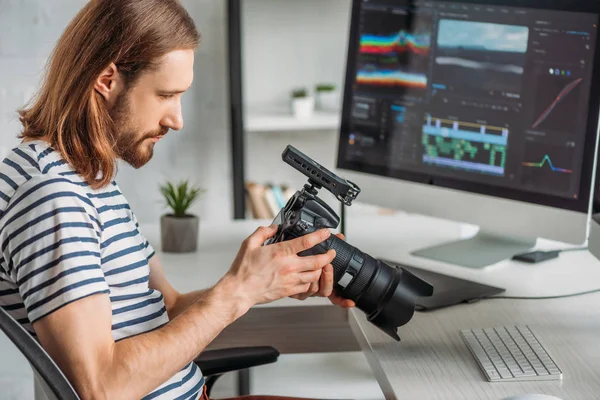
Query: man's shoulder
x=34, y=163
x=32, y=172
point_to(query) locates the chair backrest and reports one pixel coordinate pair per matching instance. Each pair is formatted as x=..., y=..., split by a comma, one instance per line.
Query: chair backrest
x=48, y=376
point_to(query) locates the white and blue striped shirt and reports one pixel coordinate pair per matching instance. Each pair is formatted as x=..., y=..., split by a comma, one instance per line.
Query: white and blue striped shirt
x=61, y=241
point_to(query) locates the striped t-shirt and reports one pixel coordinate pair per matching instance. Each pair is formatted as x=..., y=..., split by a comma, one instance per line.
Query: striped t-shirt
x=61, y=240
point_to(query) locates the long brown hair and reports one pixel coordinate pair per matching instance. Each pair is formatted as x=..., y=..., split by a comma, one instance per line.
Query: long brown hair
x=67, y=111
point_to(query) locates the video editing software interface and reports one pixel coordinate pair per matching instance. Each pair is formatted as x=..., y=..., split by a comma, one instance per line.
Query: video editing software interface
x=488, y=94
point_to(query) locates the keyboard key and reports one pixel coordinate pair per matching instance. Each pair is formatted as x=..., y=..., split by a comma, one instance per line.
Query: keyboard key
x=553, y=370
x=504, y=373
x=492, y=374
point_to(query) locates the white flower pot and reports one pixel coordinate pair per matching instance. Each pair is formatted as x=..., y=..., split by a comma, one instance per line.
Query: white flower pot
x=303, y=107
x=328, y=101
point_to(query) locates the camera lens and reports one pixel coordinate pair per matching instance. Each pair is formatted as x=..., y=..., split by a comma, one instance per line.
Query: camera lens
x=385, y=294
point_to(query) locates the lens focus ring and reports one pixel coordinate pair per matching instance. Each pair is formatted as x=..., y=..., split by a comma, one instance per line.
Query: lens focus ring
x=343, y=253
x=363, y=277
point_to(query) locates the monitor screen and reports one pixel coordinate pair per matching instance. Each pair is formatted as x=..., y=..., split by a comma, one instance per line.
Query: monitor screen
x=490, y=98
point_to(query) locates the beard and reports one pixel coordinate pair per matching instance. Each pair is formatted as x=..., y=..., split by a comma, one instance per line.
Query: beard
x=132, y=147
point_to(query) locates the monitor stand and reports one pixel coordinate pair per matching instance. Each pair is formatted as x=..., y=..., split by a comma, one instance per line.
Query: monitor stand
x=480, y=251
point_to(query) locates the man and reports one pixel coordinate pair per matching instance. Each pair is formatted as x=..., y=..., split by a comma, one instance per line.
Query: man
x=74, y=269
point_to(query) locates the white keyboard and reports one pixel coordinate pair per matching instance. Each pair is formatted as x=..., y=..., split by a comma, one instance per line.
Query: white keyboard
x=510, y=354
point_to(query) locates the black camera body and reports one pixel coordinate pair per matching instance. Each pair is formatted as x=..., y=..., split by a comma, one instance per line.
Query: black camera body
x=386, y=294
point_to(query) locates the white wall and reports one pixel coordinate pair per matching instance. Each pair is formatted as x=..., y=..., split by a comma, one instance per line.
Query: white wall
x=289, y=43
x=28, y=30
x=16, y=377
x=200, y=152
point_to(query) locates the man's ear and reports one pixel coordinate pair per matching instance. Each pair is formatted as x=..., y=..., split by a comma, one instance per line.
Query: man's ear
x=110, y=84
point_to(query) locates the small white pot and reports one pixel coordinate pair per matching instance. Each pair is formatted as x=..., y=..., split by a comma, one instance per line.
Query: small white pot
x=328, y=101
x=303, y=107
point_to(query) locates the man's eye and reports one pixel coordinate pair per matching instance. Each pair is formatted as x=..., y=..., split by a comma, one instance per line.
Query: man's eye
x=166, y=96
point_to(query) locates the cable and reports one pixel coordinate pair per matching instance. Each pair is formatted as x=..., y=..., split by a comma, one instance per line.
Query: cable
x=543, y=298
x=573, y=249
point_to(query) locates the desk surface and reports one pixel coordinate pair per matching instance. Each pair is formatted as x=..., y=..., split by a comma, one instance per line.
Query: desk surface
x=391, y=238
x=432, y=361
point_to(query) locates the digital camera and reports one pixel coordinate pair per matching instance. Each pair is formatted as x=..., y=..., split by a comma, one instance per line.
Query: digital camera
x=385, y=294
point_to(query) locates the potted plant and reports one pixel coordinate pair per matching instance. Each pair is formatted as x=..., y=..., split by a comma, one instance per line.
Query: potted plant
x=179, y=230
x=327, y=97
x=303, y=104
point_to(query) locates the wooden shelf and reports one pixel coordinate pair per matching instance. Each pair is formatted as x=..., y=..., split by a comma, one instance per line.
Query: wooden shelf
x=282, y=120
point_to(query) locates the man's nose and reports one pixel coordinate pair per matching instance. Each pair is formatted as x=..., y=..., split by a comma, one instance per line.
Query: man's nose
x=174, y=119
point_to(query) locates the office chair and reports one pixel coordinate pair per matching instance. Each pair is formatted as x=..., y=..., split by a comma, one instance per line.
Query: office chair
x=53, y=385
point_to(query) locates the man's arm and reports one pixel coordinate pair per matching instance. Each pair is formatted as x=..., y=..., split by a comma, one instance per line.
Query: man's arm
x=175, y=302
x=78, y=336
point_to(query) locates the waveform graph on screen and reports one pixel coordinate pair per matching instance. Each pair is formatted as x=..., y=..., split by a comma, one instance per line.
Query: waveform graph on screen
x=548, y=167
x=393, y=52
x=558, y=103
x=467, y=146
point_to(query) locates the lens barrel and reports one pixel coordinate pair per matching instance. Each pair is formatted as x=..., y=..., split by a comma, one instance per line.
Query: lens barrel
x=385, y=294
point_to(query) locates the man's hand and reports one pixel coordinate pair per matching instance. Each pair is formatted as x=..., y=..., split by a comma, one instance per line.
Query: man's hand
x=324, y=287
x=262, y=274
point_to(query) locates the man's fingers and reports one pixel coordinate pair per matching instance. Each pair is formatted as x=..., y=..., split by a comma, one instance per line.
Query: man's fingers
x=314, y=288
x=341, y=236
x=309, y=277
x=326, y=282
x=316, y=262
x=298, y=291
x=301, y=296
x=321, y=283
x=261, y=235
x=308, y=241
x=340, y=301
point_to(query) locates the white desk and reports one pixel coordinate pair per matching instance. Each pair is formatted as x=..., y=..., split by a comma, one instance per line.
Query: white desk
x=431, y=361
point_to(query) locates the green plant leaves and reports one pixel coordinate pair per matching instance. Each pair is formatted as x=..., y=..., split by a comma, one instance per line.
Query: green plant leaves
x=180, y=197
x=325, y=87
x=299, y=93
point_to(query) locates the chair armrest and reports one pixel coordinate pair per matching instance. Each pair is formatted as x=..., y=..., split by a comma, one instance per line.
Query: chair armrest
x=217, y=362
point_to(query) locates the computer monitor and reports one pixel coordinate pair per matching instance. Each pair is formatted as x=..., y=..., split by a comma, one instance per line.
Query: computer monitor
x=484, y=112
